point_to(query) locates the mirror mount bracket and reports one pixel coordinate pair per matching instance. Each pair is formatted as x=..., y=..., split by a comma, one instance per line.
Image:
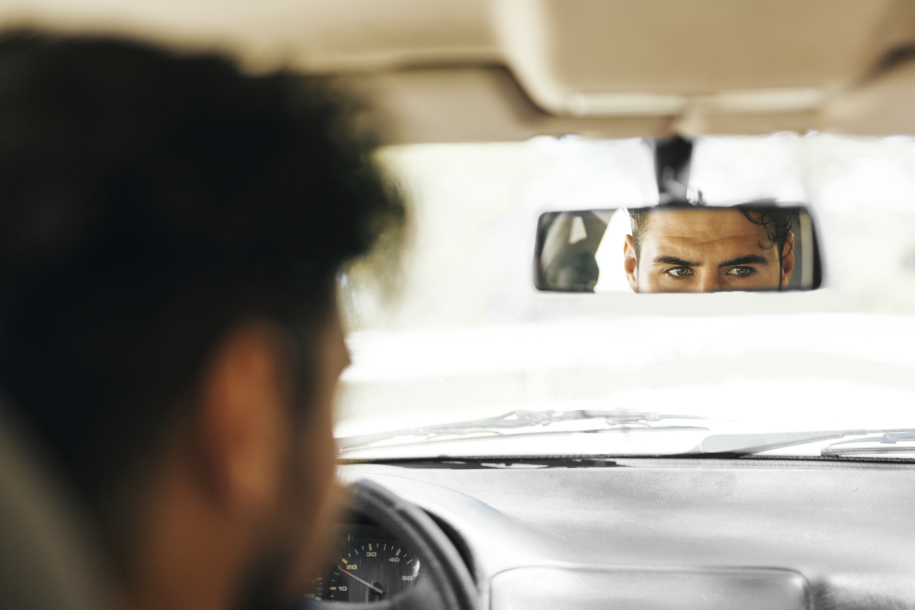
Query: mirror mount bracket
x=672, y=162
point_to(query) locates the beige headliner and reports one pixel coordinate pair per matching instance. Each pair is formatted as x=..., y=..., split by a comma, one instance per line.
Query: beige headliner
x=506, y=69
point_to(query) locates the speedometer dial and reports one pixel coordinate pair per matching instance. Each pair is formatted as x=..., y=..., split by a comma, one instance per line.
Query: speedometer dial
x=371, y=569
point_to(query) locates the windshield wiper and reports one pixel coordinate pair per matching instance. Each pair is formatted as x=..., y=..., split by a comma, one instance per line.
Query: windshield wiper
x=890, y=438
x=519, y=420
x=748, y=444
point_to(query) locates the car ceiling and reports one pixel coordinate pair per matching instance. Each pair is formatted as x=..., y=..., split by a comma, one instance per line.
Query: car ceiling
x=478, y=70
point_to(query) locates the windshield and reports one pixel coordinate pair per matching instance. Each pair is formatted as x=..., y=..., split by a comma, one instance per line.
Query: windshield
x=468, y=337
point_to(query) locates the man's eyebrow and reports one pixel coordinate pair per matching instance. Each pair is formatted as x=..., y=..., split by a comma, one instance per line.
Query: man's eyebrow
x=749, y=259
x=673, y=260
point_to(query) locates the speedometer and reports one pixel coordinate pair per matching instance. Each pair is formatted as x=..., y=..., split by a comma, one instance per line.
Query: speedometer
x=371, y=569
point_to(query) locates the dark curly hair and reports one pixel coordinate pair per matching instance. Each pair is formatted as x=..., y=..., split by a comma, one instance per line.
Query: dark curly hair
x=778, y=221
x=149, y=200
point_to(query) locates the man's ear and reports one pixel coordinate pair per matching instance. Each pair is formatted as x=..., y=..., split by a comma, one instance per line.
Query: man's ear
x=787, y=260
x=631, y=264
x=242, y=405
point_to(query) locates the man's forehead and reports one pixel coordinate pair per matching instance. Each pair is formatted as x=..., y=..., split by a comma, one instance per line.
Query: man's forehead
x=710, y=252
x=712, y=236
x=701, y=227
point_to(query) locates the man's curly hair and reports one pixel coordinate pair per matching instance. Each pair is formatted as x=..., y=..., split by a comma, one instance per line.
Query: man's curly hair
x=778, y=222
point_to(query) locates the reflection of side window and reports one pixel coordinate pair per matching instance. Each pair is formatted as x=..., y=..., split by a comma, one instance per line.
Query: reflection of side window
x=808, y=266
x=567, y=242
x=609, y=255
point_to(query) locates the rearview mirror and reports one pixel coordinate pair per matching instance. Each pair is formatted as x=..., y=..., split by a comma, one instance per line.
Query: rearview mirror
x=678, y=248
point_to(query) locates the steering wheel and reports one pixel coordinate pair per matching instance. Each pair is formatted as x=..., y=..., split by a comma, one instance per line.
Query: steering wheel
x=445, y=583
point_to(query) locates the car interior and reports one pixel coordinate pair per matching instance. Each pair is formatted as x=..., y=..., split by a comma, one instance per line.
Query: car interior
x=725, y=520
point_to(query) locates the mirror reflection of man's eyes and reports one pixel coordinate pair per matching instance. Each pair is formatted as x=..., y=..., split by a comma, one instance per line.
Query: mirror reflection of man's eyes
x=706, y=251
x=740, y=267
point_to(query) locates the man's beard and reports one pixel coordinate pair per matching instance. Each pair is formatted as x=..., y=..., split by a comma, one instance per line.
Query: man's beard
x=267, y=587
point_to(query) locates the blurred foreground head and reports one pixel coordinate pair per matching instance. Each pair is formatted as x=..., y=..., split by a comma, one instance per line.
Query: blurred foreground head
x=170, y=232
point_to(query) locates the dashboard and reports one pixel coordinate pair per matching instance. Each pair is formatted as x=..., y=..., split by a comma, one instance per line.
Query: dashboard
x=764, y=534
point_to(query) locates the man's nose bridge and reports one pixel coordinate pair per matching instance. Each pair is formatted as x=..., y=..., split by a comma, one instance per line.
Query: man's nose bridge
x=708, y=280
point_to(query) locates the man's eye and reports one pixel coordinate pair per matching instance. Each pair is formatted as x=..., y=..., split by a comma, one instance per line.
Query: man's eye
x=741, y=271
x=680, y=271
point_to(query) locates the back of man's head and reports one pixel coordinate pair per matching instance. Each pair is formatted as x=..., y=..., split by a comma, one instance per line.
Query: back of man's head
x=148, y=202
